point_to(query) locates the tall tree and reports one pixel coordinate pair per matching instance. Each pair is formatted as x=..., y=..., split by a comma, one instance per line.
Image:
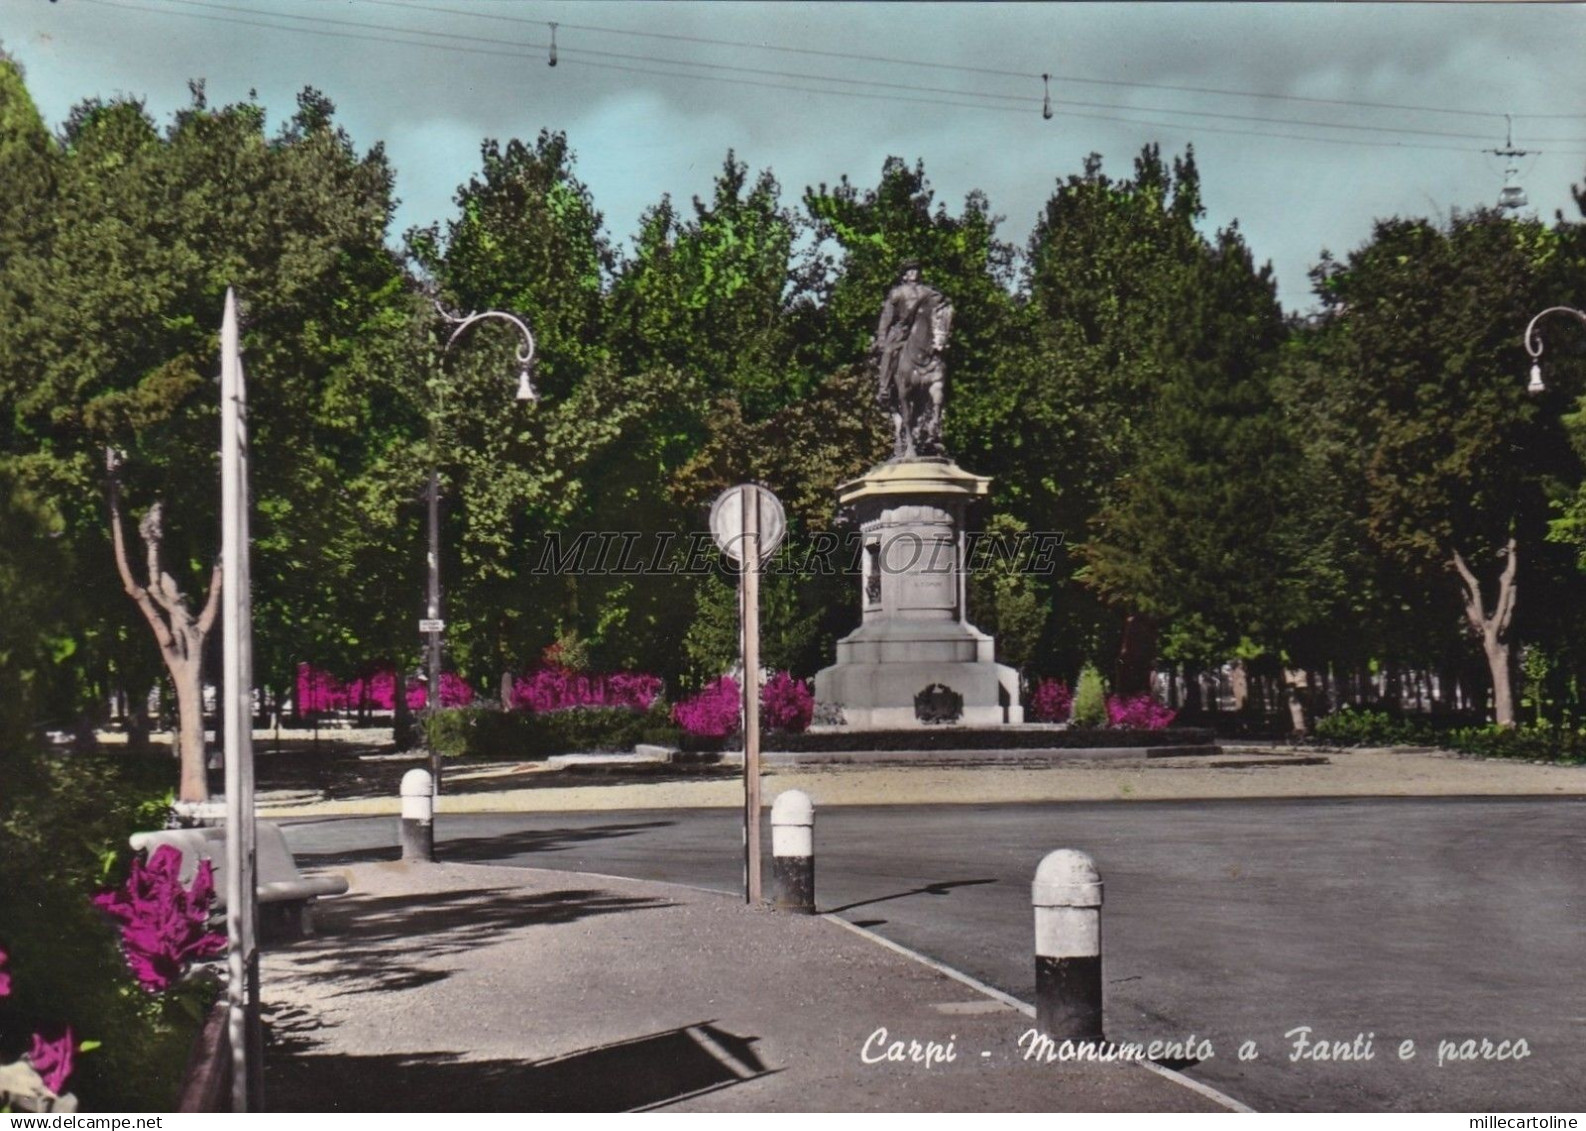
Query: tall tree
x=114, y=346
x=721, y=294
x=1460, y=466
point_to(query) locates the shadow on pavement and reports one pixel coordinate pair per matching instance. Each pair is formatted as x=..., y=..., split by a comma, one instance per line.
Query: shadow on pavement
x=633, y=1075
x=369, y=944
x=941, y=888
x=474, y=849
x=477, y=849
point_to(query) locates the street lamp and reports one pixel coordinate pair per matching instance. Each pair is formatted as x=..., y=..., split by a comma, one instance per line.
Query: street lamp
x=1533, y=344
x=432, y=625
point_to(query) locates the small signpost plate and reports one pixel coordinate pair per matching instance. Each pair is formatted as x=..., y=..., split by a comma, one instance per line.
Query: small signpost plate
x=429, y=624
x=727, y=525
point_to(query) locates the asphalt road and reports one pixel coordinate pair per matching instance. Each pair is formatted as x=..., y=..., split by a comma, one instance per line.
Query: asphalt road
x=1425, y=920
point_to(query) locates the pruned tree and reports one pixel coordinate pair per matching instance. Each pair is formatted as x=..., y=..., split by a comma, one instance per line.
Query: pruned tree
x=179, y=633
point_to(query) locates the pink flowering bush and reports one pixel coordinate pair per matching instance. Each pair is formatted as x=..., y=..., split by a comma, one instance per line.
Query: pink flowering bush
x=786, y=704
x=714, y=712
x=52, y=1060
x=556, y=688
x=164, y=926
x=1141, y=712
x=1051, y=702
x=319, y=692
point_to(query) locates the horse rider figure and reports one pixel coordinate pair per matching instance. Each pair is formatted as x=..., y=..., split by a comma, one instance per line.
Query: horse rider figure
x=910, y=367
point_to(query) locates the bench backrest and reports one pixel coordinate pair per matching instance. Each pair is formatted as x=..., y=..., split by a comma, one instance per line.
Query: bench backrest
x=274, y=861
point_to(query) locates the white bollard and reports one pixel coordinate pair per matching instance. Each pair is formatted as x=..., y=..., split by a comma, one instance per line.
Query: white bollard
x=418, y=817
x=793, y=852
x=1067, y=899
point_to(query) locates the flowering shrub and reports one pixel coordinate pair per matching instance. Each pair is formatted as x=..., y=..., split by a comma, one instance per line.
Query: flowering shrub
x=52, y=1060
x=164, y=926
x=318, y=691
x=557, y=689
x=1051, y=701
x=35, y=1082
x=714, y=712
x=1138, y=713
x=786, y=704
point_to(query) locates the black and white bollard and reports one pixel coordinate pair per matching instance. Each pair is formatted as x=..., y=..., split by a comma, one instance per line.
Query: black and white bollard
x=1067, y=898
x=418, y=817
x=793, y=852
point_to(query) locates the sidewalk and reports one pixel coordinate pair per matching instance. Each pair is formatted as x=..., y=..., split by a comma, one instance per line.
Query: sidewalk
x=453, y=987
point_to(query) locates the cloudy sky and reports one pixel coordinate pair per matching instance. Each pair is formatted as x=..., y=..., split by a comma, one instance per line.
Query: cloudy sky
x=1308, y=120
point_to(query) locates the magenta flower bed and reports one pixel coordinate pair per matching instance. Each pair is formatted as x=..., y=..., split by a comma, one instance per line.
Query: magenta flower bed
x=716, y=712
x=786, y=704
x=164, y=926
x=1138, y=713
x=1051, y=702
x=558, y=689
x=319, y=692
x=713, y=713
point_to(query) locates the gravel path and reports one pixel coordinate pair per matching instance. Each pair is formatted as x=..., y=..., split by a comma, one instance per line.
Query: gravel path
x=1348, y=773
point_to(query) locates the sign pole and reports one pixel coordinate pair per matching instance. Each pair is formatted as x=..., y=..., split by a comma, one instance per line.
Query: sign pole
x=751, y=693
x=432, y=698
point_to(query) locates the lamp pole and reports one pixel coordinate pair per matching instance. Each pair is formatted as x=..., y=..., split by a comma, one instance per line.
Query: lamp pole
x=1533, y=343
x=433, y=626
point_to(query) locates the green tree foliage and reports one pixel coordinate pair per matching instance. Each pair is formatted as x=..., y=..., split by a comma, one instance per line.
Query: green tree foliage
x=720, y=294
x=111, y=342
x=527, y=239
x=1202, y=534
x=866, y=235
x=1090, y=699
x=1421, y=330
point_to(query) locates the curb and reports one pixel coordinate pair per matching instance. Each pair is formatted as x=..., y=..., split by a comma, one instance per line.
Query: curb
x=1028, y=1010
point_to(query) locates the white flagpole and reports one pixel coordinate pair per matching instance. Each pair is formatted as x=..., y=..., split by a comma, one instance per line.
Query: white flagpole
x=242, y=955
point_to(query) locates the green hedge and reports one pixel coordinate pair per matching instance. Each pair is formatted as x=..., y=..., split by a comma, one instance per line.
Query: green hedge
x=1379, y=728
x=488, y=733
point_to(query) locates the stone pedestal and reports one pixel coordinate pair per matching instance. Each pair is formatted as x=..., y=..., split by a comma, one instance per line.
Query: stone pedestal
x=915, y=660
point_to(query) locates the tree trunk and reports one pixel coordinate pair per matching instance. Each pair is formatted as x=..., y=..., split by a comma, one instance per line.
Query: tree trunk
x=1239, y=684
x=179, y=634
x=1493, y=629
x=1297, y=685
x=1136, y=657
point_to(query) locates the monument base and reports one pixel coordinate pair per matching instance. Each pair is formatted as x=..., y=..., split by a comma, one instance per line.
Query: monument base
x=915, y=660
x=897, y=696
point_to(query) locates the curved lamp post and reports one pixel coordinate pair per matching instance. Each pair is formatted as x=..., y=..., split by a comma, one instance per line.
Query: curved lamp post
x=1533, y=343
x=433, y=625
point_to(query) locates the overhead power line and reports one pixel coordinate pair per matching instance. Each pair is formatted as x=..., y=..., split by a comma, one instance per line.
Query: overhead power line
x=895, y=92
x=474, y=13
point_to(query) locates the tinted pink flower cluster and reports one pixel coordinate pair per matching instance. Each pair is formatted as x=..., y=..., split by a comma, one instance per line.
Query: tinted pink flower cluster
x=164, y=926
x=1141, y=712
x=714, y=712
x=1051, y=702
x=557, y=688
x=52, y=1060
x=786, y=704
x=318, y=691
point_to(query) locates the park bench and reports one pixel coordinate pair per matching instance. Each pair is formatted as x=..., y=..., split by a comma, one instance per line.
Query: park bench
x=286, y=896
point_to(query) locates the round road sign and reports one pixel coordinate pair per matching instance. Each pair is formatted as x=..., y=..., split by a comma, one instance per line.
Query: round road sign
x=727, y=520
